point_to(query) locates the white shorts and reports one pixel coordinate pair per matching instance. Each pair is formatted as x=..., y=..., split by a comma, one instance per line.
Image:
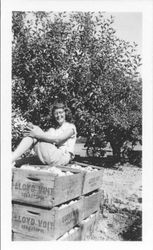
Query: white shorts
x=51, y=155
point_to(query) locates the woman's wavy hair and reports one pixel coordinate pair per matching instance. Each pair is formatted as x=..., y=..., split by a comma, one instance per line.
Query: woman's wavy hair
x=59, y=104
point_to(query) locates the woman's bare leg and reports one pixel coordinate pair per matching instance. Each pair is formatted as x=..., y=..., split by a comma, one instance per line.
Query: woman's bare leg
x=24, y=145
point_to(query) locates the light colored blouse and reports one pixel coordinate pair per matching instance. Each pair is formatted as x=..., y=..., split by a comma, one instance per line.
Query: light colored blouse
x=68, y=145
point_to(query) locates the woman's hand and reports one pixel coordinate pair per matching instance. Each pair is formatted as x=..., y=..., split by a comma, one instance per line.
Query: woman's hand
x=33, y=131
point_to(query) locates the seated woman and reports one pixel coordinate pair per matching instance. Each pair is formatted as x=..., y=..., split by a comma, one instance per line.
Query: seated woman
x=54, y=147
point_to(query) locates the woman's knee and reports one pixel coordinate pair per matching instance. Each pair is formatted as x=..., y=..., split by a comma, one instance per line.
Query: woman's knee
x=43, y=145
x=44, y=148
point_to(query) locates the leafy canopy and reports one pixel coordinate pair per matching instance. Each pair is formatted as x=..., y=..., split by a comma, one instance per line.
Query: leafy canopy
x=77, y=57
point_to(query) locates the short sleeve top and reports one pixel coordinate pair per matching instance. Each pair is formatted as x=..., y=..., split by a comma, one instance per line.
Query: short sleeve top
x=68, y=145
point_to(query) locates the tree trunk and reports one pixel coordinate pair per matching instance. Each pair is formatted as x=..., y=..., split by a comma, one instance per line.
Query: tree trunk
x=116, y=152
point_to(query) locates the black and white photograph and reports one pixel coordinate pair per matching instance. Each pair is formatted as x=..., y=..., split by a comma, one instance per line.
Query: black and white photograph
x=76, y=125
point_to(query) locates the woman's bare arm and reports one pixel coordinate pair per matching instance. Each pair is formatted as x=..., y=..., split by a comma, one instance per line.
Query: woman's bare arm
x=38, y=133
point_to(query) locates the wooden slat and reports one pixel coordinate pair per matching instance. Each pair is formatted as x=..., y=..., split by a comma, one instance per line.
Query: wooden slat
x=22, y=237
x=88, y=226
x=76, y=235
x=91, y=203
x=86, y=165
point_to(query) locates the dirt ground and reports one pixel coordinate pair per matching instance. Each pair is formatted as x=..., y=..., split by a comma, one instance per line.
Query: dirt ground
x=121, y=214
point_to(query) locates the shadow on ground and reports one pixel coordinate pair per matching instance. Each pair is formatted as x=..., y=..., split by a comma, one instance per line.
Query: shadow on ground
x=110, y=161
x=134, y=231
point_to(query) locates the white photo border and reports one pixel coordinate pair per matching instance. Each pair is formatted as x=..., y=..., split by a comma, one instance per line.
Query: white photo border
x=146, y=7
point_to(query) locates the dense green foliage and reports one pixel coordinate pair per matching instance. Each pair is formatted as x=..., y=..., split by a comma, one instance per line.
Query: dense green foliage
x=77, y=57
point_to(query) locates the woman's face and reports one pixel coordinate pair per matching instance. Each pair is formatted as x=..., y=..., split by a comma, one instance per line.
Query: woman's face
x=59, y=115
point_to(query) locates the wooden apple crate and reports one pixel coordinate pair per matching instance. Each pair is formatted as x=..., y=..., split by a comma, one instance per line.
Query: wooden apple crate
x=92, y=180
x=45, y=224
x=45, y=189
x=91, y=203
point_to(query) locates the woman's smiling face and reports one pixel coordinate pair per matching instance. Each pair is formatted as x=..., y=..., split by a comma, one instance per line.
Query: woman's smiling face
x=59, y=115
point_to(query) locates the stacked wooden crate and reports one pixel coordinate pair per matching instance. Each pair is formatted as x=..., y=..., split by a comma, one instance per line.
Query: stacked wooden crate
x=55, y=206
